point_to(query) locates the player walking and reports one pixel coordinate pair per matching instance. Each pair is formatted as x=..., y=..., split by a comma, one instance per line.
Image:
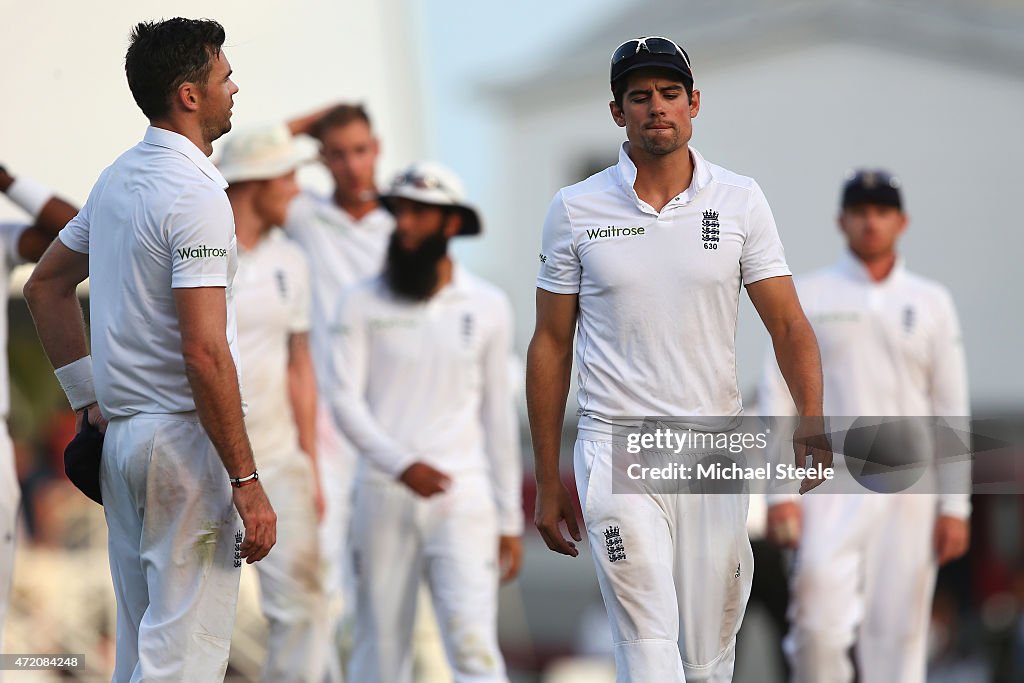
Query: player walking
x=890, y=346
x=644, y=262
x=272, y=298
x=422, y=368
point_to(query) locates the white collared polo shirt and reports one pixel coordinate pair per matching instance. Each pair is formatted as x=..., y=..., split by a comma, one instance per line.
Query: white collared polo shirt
x=157, y=219
x=429, y=381
x=658, y=291
x=10, y=234
x=888, y=348
x=341, y=251
x=272, y=301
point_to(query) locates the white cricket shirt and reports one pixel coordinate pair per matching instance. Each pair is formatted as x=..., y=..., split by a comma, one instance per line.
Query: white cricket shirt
x=429, y=381
x=658, y=291
x=10, y=233
x=156, y=219
x=341, y=251
x=889, y=348
x=272, y=302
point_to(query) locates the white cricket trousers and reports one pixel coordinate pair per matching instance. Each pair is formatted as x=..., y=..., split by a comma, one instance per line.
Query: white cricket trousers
x=675, y=572
x=451, y=540
x=292, y=593
x=10, y=498
x=865, y=572
x=336, y=464
x=173, y=535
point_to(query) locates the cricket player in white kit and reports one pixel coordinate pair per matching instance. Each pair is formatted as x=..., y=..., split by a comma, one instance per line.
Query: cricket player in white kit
x=345, y=236
x=272, y=299
x=644, y=262
x=423, y=392
x=890, y=346
x=19, y=243
x=156, y=237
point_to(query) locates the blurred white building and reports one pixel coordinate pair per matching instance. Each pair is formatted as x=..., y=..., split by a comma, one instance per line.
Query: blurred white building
x=796, y=93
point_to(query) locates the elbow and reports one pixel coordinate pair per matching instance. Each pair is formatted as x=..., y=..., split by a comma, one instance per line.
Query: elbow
x=35, y=292
x=201, y=359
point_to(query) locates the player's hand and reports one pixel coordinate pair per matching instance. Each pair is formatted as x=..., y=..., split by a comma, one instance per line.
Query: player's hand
x=424, y=480
x=952, y=538
x=785, y=522
x=259, y=520
x=554, y=505
x=809, y=438
x=95, y=417
x=510, y=557
x=6, y=179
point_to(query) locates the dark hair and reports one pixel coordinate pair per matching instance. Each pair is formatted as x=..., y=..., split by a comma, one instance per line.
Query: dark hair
x=340, y=116
x=164, y=54
x=619, y=87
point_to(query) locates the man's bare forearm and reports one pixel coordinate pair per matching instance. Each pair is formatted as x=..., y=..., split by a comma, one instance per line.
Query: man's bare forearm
x=796, y=350
x=52, y=299
x=302, y=393
x=548, y=366
x=214, y=381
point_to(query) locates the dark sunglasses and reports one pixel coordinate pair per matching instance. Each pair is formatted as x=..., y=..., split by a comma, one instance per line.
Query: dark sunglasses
x=656, y=45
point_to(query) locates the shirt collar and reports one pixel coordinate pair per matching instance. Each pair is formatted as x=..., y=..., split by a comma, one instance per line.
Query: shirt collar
x=702, y=177
x=161, y=137
x=855, y=269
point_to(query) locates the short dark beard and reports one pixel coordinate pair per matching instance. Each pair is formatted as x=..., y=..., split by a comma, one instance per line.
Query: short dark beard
x=412, y=274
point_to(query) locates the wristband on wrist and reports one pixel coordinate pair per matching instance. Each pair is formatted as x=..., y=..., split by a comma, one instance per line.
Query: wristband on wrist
x=76, y=380
x=245, y=481
x=30, y=195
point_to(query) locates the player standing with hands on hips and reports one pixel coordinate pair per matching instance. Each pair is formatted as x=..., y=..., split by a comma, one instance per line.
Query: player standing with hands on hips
x=890, y=346
x=421, y=364
x=156, y=237
x=654, y=311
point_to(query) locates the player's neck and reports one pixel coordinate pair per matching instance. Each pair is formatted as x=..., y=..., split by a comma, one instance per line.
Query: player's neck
x=879, y=267
x=186, y=127
x=445, y=267
x=250, y=228
x=661, y=178
x=356, y=207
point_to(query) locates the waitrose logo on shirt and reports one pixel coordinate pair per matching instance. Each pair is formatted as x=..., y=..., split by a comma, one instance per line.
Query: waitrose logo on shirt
x=202, y=251
x=614, y=231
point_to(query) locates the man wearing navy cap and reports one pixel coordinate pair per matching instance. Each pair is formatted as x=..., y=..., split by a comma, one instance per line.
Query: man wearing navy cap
x=890, y=346
x=643, y=263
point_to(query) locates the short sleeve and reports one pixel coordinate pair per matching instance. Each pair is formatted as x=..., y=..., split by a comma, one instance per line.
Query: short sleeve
x=559, y=263
x=10, y=233
x=200, y=230
x=763, y=256
x=75, y=234
x=299, y=321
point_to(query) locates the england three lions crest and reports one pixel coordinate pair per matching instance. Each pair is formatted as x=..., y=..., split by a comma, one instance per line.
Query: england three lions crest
x=709, y=229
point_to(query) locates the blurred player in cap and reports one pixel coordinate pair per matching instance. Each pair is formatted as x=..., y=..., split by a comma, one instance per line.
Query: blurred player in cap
x=644, y=262
x=421, y=362
x=272, y=298
x=890, y=346
x=19, y=242
x=156, y=237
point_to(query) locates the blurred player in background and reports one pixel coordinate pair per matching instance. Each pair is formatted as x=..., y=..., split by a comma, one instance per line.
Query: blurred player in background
x=644, y=262
x=19, y=243
x=345, y=236
x=272, y=299
x=421, y=361
x=890, y=346
x=156, y=238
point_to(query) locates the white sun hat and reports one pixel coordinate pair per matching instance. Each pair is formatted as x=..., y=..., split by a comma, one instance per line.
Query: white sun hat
x=429, y=182
x=261, y=154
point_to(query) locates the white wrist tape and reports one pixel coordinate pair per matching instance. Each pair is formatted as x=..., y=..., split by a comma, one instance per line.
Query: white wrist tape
x=29, y=195
x=76, y=380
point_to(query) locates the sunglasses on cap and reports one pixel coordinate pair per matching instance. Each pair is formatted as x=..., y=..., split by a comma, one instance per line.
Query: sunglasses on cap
x=656, y=45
